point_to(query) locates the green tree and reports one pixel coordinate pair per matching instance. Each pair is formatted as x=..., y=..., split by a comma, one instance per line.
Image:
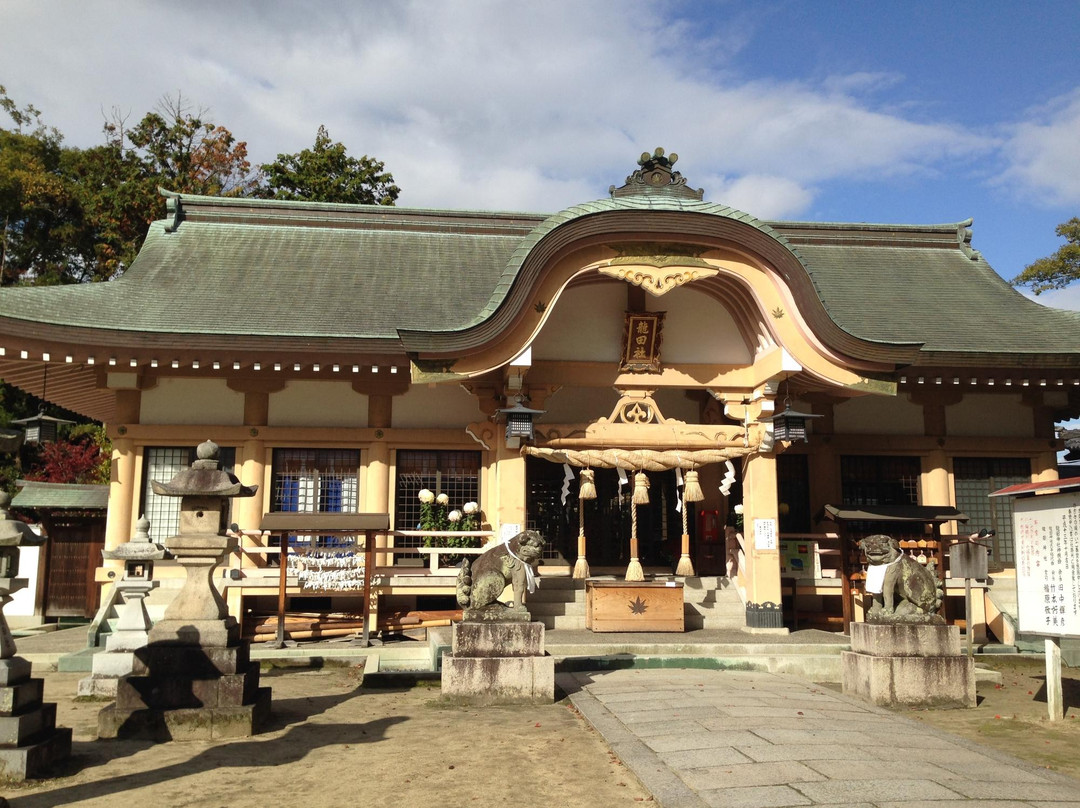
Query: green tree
x=72, y=215
x=1058, y=270
x=326, y=173
x=36, y=207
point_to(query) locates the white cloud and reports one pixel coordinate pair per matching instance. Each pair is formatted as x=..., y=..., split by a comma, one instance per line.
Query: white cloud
x=1044, y=153
x=478, y=103
x=1067, y=298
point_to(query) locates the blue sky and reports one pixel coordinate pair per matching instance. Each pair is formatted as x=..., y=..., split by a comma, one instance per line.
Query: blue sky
x=881, y=111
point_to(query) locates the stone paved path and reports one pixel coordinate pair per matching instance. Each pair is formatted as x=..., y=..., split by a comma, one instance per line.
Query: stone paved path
x=744, y=738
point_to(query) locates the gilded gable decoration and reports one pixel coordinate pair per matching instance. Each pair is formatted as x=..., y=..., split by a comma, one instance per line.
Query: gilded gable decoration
x=655, y=175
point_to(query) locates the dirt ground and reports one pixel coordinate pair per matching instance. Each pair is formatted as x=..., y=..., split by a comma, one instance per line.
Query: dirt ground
x=1013, y=716
x=335, y=742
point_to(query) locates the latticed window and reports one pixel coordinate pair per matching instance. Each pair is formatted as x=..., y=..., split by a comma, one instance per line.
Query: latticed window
x=316, y=481
x=454, y=473
x=879, y=480
x=975, y=478
x=161, y=464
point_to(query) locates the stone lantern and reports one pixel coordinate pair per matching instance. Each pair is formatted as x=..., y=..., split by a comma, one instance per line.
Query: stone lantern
x=194, y=679
x=133, y=624
x=198, y=614
x=30, y=742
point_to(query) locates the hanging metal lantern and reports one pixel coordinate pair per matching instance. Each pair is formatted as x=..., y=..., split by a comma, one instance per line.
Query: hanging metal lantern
x=41, y=428
x=519, y=421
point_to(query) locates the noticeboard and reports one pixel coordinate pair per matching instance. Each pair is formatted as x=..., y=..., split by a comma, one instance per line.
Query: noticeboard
x=799, y=559
x=1047, y=536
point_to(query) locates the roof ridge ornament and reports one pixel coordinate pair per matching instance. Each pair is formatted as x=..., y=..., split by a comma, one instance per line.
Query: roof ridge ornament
x=656, y=176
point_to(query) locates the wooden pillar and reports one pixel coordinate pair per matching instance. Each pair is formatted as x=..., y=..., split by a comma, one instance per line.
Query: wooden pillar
x=122, y=493
x=761, y=529
x=377, y=479
x=119, y=521
x=510, y=487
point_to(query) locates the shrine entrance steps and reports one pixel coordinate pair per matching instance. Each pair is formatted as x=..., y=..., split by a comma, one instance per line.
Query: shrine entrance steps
x=710, y=602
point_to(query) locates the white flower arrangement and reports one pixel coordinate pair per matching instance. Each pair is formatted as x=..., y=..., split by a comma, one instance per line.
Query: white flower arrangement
x=443, y=499
x=454, y=517
x=425, y=496
x=470, y=508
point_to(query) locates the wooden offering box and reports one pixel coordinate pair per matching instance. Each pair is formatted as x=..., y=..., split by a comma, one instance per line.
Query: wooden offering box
x=633, y=605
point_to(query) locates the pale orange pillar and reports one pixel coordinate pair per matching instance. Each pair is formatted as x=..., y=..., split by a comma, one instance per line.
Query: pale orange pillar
x=761, y=528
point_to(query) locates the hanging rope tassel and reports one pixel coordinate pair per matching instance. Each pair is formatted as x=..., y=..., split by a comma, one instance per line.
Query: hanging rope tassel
x=641, y=489
x=634, y=572
x=692, y=490
x=586, y=490
x=587, y=484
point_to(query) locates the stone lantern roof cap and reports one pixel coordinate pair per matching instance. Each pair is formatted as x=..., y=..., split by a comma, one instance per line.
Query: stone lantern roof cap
x=14, y=533
x=139, y=548
x=204, y=478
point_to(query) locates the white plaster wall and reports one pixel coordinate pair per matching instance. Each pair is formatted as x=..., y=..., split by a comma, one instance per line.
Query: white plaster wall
x=436, y=406
x=315, y=403
x=698, y=330
x=192, y=401
x=575, y=405
x=22, y=602
x=879, y=415
x=586, y=325
x=588, y=321
x=990, y=414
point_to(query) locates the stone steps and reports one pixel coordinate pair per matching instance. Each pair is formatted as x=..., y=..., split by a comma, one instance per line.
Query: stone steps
x=709, y=602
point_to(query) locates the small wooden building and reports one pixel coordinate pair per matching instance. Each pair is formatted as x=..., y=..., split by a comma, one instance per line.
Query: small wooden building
x=72, y=517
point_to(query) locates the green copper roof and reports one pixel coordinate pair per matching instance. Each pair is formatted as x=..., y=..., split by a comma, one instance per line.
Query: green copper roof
x=256, y=268
x=60, y=496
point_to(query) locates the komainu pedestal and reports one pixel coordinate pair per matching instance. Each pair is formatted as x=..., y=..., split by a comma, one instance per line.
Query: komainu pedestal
x=908, y=664
x=499, y=663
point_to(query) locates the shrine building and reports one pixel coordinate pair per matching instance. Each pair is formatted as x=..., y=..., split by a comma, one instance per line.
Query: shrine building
x=345, y=357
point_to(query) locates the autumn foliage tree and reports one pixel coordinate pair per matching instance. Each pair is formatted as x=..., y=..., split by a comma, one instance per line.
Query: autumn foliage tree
x=82, y=457
x=72, y=215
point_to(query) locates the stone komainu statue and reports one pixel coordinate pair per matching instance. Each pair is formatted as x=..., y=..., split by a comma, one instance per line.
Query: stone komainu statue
x=511, y=563
x=901, y=589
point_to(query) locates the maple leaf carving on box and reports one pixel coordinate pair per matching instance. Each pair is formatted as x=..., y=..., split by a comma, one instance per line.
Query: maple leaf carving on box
x=638, y=606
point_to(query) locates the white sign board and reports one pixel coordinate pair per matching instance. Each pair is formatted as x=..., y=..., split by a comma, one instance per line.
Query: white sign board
x=1046, y=531
x=764, y=534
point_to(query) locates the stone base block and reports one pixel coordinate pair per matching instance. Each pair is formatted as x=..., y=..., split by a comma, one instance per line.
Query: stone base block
x=912, y=681
x=181, y=692
x=498, y=639
x=22, y=729
x=194, y=661
x=905, y=639
x=497, y=613
x=202, y=633
x=127, y=640
x=20, y=697
x=36, y=759
x=499, y=680
x=113, y=663
x=13, y=670
x=97, y=686
x=193, y=724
